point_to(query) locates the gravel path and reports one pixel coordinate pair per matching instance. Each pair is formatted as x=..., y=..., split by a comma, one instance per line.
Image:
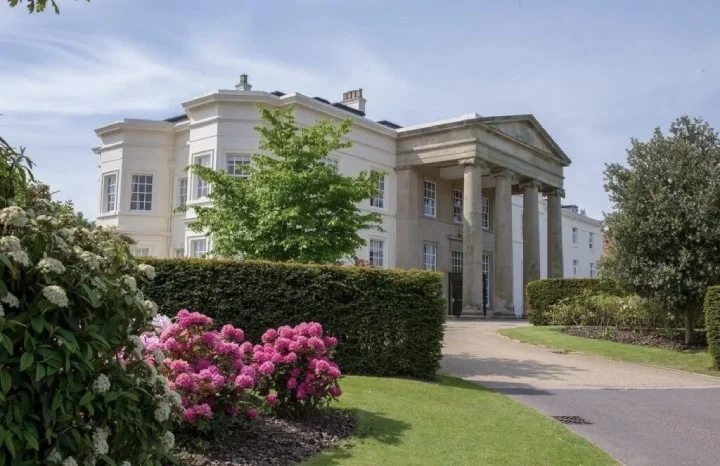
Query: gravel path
x=641, y=415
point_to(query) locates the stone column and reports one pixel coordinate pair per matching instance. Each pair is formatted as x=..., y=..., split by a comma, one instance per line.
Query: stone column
x=472, y=235
x=503, y=288
x=409, y=192
x=555, y=267
x=531, y=235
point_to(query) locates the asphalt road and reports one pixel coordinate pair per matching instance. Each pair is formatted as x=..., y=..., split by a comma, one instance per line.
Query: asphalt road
x=641, y=415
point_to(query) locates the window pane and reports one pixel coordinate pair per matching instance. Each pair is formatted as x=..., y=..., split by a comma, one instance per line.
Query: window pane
x=109, y=192
x=429, y=198
x=430, y=254
x=379, y=201
x=238, y=164
x=486, y=213
x=331, y=162
x=457, y=205
x=377, y=253
x=183, y=192
x=141, y=192
x=198, y=247
x=486, y=281
x=457, y=261
x=202, y=188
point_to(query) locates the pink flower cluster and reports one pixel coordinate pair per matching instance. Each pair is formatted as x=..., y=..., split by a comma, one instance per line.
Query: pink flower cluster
x=205, y=366
x=296, y=363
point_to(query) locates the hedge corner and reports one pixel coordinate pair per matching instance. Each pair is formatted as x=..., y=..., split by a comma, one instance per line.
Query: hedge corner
x=712, y=323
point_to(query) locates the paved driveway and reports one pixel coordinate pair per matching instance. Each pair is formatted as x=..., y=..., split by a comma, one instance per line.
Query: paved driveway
x=641, y=415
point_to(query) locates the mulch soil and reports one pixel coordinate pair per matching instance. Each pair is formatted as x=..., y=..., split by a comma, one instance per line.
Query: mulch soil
x=272, y=441
x=668, y=340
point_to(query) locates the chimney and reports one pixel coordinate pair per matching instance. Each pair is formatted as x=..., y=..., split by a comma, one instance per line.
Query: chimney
x=354, y=99
x=243, y=85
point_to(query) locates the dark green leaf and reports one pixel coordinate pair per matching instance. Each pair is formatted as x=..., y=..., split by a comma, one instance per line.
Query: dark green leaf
x=5, y=380
x=26, y=361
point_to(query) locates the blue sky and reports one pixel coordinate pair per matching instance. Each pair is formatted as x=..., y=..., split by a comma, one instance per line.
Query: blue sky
x=594, y=76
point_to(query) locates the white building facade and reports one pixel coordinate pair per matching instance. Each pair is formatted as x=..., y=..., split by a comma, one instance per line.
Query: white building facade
x=143, y=181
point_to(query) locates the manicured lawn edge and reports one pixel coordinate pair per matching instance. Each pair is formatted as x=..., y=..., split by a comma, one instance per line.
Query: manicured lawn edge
x=694, y=362
x=450, y=421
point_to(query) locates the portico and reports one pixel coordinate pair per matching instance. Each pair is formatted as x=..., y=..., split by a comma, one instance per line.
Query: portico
x=456, y=181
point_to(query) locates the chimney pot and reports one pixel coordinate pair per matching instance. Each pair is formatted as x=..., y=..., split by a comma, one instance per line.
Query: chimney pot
x=243, y=85
x=354, y=99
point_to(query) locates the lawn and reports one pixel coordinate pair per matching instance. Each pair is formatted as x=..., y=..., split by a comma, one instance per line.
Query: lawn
x=451, y=421
x=698, y=362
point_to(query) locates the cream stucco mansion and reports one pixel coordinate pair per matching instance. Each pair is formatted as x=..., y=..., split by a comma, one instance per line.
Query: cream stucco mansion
x=476, y=197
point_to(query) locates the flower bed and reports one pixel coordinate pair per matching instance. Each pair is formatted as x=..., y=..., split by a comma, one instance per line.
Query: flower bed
x=661, y=339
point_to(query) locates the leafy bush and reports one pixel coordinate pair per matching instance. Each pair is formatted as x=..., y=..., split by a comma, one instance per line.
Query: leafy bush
x=543, y=294
x=74, y=388
x=206, y=367
x=602, y=309
x=388, y=322
x=296, y=371
x=712, y=323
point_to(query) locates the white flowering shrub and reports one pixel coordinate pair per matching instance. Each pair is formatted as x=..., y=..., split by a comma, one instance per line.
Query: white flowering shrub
x=74, y=387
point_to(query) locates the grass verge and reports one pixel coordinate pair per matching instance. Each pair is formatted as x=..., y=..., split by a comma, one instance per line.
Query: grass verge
x=690, y=361
x=451, y=421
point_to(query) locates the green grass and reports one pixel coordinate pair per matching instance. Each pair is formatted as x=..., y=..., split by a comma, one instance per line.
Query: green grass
x=698, y=361
x=450, y=422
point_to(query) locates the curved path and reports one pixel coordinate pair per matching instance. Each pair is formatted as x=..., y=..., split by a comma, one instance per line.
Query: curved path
x=641, y=415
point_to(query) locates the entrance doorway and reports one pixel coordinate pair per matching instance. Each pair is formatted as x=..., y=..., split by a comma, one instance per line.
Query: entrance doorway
x=455, y=301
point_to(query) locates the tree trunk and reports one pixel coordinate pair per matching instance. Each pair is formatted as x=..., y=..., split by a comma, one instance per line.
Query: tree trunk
x=689, y=330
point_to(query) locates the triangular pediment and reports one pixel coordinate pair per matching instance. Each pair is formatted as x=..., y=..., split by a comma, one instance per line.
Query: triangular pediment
x=526, y=129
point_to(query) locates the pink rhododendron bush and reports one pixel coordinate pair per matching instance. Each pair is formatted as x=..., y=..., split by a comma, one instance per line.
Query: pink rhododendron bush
x=296, y=373
x=220, y=376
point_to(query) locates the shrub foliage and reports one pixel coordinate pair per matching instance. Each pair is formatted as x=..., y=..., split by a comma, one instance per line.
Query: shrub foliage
x=388, y=322
x=543, y=294
x=712, y=323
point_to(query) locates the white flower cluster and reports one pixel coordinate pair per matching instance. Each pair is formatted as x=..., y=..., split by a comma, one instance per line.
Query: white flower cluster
x=153, y=374
x=55, y=456
x=90, y=259
x=162, y=413
x=62, y=245
x=167, y=441
x=69, y=461
x=11, y=300
x=65, y=233
x=99, y=440
x=151, y=307
x=125, y=463
x=158, y=356
x=55, y=295
x=147, y=270
x=89, y=461
x=10, y=245
x=130, y=283
x=101, y=384
x=50, y=265
x=13, y=216
x=175, y=398
x=137, y=346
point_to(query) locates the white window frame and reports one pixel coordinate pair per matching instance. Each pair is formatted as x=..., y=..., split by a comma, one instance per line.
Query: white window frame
x=142, y=251
x=593, y=270
x=376, y=252
x=196, y=239
x=145, y=202
x=179, y=252
x=575, y=235
x=105, y=195
x=330, y=161
x=458, y=205
x=197, y=183
x=576, y=267
x=591, y=240
x=458, y=260
x=429, y=198
x=183, y=192
x=485, y=215
x=430, y=251
x=238, y=160
x=487, y=269
x=379, y=202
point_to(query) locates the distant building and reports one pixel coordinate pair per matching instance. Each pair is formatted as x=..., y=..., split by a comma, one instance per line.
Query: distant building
x=454, y=198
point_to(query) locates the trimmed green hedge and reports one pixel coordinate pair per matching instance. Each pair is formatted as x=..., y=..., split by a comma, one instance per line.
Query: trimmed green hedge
x=712, y=323
x=388, y=322
x=541, y=294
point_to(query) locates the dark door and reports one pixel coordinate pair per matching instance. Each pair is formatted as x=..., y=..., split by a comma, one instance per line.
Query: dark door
x=455, y=295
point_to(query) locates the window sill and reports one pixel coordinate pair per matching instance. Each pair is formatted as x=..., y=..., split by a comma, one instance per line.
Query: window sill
x=108, y=214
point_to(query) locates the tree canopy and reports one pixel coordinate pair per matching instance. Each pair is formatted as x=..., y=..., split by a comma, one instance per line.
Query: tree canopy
x=292, y=205
x=664, y=230
x=37, y=6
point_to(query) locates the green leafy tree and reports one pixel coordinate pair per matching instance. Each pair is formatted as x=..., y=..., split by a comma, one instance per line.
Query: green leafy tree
x=292, y=206
x=664, y=231
x=38, y=6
